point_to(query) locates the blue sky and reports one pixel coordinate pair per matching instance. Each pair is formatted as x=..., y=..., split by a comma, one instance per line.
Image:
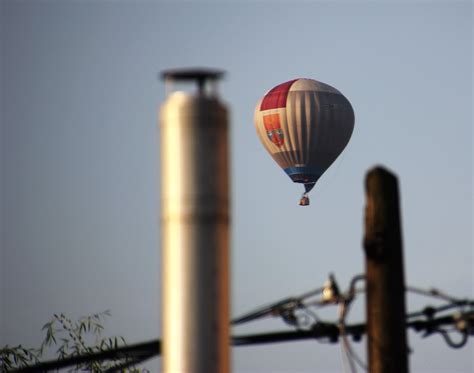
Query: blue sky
x=79, y=158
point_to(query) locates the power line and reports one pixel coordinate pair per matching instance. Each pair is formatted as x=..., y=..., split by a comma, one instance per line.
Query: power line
x=292, y=310
x=138, y=353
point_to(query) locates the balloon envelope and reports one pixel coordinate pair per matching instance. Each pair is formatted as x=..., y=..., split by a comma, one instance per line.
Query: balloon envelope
x=304, y=125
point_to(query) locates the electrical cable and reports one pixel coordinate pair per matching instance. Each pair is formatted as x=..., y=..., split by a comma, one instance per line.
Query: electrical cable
x=435, y=293
x=346, y=367
x=346, y=357
x=450, y=342
x=277, y=308
x=353, y=357
x=298, y=314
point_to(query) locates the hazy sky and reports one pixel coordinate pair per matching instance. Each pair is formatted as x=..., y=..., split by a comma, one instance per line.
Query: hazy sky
x=80, y=175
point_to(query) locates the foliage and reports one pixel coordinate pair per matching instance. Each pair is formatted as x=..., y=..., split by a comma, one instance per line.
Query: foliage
x=17, y=357
x=81, y=337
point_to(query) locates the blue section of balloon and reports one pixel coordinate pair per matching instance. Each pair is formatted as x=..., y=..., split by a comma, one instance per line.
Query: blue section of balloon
x=311, y=172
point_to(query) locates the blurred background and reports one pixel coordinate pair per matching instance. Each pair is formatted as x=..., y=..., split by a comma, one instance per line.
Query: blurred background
x=80, y=172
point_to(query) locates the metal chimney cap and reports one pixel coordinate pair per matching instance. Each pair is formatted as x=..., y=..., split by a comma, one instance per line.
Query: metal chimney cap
x=196, y=73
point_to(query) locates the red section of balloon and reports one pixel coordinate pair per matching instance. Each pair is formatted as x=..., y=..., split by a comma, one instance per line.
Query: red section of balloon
x=276, y=97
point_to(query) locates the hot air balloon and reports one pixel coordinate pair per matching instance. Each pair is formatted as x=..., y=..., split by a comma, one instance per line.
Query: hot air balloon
x=304, y=125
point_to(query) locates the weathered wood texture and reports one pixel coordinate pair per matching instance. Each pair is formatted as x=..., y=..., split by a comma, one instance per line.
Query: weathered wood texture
x=387, y=337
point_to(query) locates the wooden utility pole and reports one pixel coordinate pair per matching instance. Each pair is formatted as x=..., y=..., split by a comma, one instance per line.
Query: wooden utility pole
x=387, y=338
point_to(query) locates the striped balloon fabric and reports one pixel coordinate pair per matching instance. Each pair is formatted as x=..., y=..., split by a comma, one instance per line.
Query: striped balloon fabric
x=304, y=125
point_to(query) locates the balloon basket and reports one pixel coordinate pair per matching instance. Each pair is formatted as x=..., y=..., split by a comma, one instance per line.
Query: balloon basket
x=304, y=201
